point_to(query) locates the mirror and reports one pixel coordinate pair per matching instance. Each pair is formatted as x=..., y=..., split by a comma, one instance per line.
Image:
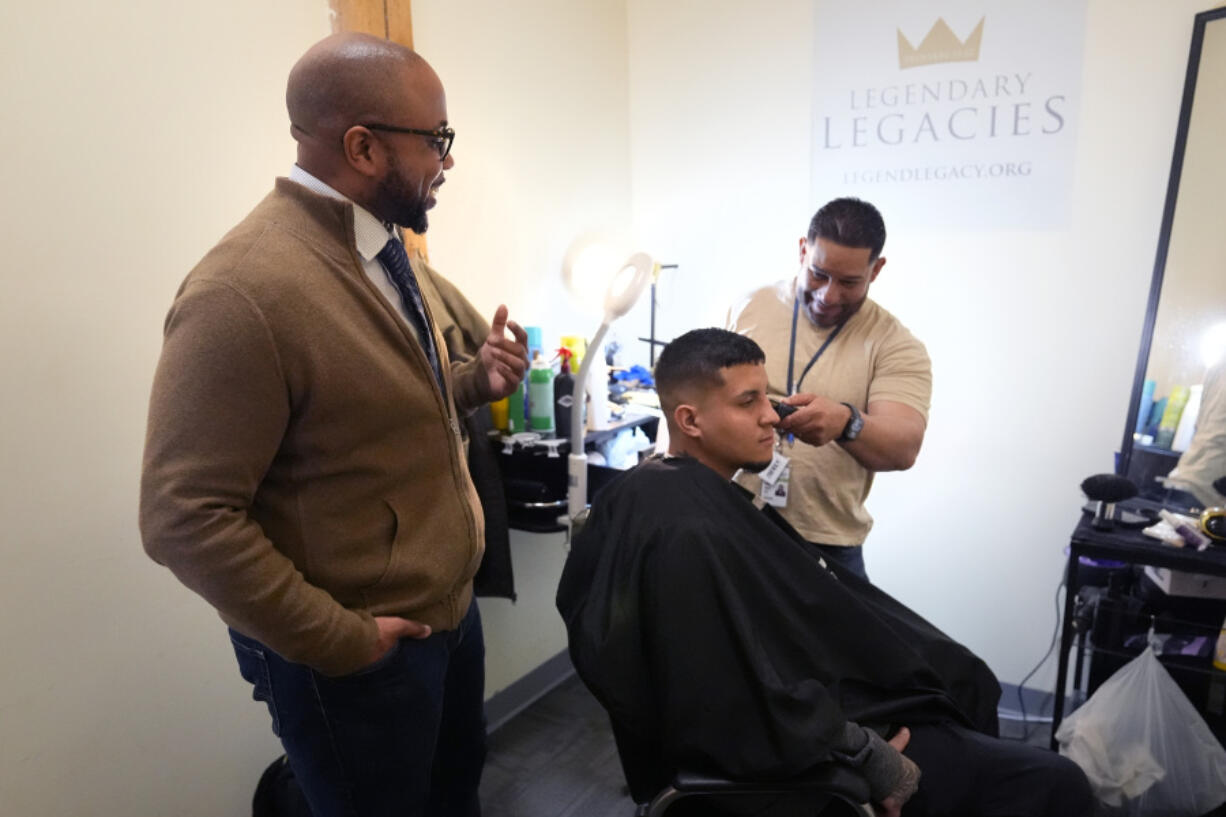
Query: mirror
x=1185, y=324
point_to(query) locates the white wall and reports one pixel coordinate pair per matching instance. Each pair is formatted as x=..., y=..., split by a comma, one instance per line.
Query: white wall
x=1033, y=334
x=131, y=135
x=537, y=93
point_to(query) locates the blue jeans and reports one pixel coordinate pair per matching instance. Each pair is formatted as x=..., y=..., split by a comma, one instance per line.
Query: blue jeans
x=405, y=736
x=850, y=557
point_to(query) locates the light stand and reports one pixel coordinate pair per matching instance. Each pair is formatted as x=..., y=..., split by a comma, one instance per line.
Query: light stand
x=625, y=288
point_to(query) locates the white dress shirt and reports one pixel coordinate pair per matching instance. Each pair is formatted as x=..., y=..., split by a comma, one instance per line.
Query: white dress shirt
x=371, y=235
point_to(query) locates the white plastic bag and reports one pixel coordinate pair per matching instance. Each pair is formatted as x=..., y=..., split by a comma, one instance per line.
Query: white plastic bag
x=1144, y=747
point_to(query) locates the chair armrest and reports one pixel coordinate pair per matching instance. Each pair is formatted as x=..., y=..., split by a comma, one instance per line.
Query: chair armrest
x=831, y=778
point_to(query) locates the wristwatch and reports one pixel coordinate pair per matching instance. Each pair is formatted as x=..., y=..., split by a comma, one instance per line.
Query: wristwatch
x=854, y=425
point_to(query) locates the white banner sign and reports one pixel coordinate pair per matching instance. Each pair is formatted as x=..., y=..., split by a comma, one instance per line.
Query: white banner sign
x=949, y=113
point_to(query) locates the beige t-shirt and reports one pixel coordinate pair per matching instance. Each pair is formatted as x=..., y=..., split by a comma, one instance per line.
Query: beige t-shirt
x=873, y=358
x=1205, y=459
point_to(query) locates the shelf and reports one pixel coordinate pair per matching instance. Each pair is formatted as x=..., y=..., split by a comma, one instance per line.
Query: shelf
x=537, y=482
x=1156, y=451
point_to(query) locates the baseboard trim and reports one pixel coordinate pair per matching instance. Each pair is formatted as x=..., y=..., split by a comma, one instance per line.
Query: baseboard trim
x=509, y=702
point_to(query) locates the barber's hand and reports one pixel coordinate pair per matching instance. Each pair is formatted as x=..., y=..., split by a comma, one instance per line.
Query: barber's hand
x=505, y=359
x=817, y=420
x=391, y=630
x=892, y=805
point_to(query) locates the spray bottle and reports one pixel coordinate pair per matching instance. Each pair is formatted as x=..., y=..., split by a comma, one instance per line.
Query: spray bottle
x=563, y=394
x=540, y=394
x=517, y=406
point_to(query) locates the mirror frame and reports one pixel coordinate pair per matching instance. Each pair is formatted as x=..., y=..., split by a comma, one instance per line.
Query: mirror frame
x=1164, y=236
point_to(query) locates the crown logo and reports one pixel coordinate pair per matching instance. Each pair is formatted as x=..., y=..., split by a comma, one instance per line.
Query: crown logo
x=940, y=44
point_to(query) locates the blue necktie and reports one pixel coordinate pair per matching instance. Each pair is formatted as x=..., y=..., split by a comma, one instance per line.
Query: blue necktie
x=396, y=262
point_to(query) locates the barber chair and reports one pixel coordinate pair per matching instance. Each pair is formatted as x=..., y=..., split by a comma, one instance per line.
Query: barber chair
x=833, y=790
x=828, y=790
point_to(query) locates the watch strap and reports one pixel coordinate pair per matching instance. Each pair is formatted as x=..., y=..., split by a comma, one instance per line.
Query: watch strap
x=854, y=423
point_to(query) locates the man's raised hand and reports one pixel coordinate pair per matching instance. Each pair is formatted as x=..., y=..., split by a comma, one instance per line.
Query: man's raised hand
x=505, y=359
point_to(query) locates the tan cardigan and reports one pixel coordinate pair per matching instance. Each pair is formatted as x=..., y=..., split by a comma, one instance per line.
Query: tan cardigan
x=302, y=470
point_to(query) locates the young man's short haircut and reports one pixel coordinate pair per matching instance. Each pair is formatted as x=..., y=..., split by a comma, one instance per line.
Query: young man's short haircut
x=849, y=222
x=696, y=359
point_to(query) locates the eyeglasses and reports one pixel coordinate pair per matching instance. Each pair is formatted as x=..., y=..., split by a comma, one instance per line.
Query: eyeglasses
x=440, y=138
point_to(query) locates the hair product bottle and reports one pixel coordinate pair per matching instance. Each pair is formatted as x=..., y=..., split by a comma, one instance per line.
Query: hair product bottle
x=540, y=394
x=563, y=394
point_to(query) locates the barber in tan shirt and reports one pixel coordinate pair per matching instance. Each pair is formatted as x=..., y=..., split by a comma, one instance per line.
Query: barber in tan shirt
x=861, y=382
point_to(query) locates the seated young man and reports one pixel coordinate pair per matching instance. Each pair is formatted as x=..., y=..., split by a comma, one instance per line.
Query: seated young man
x=716, y=636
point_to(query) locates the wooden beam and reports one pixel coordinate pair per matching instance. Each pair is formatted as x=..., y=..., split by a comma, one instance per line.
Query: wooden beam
x=365, y=16
x=391, y=19
x=399, y=17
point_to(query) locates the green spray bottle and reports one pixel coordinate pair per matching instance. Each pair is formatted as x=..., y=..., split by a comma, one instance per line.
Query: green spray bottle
x=540, y=394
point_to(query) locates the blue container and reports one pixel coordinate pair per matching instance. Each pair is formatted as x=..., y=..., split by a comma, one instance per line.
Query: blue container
x=534, y=341
x=1146, y=407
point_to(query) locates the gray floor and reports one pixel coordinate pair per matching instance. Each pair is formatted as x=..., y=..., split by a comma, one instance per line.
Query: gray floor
x=557, y=759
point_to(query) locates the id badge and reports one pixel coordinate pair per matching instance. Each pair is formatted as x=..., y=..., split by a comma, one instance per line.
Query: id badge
x=777, y=468
x=775, y=493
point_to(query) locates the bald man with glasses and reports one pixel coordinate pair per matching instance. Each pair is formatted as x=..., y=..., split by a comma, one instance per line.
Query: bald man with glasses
x=304, y=470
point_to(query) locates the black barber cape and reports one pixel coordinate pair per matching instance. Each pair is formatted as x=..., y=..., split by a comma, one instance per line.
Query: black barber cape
x=719, y=641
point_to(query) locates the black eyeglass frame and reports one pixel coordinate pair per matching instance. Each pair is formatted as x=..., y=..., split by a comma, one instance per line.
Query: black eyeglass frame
x=445, y=135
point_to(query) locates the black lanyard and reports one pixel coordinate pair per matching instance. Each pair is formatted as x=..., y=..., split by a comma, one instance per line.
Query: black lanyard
x=792, y=347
